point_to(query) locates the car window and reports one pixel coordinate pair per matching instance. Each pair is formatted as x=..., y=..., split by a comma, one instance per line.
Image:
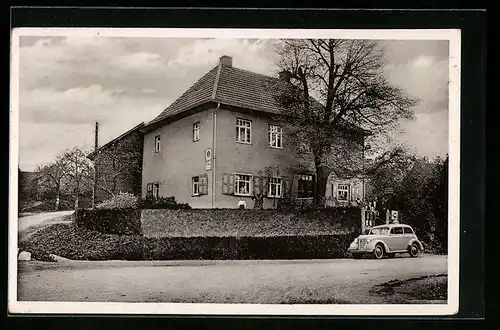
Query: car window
x=407, y=230
x=379, y=231
x=397, y=230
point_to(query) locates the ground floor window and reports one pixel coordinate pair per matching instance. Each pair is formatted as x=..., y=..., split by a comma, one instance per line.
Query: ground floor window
x=343, y=192
x=242, y=184
x=196, y=185
x=275, y=187
x=305, y=187
x=156, y=190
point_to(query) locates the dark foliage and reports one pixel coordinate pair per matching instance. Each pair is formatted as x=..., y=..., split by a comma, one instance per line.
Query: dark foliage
x=123, y=222
x=162, y=203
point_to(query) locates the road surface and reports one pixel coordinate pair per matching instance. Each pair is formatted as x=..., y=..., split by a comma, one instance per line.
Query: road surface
x=239, y=281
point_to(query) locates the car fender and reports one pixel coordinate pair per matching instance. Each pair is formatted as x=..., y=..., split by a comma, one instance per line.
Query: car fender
x=414, y=240
x=377, y=241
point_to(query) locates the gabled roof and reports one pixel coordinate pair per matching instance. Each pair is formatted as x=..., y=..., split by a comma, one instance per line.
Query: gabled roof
x=130, y=131
x=231, y=86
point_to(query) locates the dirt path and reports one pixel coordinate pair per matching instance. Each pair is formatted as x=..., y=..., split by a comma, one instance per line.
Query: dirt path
x=28, y=225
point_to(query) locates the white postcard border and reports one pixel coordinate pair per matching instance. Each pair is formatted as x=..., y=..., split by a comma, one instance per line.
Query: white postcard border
x=451, y=307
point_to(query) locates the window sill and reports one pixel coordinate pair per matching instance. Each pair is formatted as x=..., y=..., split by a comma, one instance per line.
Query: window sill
x=247, y=143
x=279, y=148
x=304, y=198
x=243, y=195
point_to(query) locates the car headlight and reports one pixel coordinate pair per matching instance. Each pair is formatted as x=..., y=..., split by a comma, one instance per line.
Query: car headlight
x=368, y=240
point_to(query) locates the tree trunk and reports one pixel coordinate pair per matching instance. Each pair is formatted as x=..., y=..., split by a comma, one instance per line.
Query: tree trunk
x=76, y=202
x=58, y=196
x=322, y=174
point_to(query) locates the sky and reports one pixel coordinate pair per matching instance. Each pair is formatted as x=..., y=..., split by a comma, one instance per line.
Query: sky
x=66, y=84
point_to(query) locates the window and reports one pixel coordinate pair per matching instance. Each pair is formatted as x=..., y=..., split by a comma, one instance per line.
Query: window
x=156, y=190
x=275, y=136
x=243, y=130
x=196, y=186
x=397, y=231
x=242, y=184
x=157, y=143
x=196, y=131
x=306, y=186
x=407, y=230
x=343, y=192
x=149, y=192
x=275, y=187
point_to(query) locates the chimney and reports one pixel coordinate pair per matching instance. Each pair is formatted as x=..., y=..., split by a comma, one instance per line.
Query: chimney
x=227, y=61
x=285, y=76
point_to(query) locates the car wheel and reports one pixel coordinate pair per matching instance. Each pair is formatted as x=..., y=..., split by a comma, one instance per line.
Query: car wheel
x=378, y=253
x=414, y=250
x=357, y=255
x=391, y=255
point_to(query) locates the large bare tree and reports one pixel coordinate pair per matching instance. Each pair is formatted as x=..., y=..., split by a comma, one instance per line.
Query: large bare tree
x=79, y=169
x=337, y=93
x=52, y=176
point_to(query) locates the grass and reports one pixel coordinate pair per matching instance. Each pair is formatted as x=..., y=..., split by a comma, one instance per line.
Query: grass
x=425, y=288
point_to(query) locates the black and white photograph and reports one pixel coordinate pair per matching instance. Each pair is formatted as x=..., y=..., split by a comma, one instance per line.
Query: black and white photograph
x=238, y=171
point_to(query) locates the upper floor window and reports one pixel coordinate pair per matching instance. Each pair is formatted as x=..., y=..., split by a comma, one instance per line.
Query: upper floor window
x=343, y=192
x=243, y=130
x=157, y=143
x=305, y=187
x=275, y=136
x=196, y=131
x=242, y=184
x=275, y=187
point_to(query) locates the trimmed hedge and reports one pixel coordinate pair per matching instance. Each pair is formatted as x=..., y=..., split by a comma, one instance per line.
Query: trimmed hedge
x=231, y=248
x=118, y=221
x=75, y=243
x=249, y=222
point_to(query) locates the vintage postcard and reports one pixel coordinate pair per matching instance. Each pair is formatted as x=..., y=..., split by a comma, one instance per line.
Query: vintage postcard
x=234, y=171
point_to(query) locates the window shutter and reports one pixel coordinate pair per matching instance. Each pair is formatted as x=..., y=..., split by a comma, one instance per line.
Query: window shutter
x=265, y=186
x=284, y=188
x=257, y=184
x=204, y=184
x=225, y=187
x=230, y=184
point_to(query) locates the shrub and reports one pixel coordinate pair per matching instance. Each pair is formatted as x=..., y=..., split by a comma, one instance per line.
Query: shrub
x=163, y=203
x=117, y=221
x=119, y=201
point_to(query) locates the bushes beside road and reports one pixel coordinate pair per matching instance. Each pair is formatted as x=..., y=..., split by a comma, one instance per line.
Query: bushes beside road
x=69, y=241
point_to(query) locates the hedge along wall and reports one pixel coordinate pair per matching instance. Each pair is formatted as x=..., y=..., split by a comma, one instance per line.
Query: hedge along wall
x=120, y=222
x=228, y=248
x=242, y=223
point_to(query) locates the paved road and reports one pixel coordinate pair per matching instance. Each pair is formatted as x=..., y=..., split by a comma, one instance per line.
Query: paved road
x=24, y=223
x=293, y=281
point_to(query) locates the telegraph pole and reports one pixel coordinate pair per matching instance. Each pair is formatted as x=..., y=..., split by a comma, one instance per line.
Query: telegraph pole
x=96, y=146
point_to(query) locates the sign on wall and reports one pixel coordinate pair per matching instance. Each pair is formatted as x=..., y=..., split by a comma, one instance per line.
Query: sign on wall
x=208, y=159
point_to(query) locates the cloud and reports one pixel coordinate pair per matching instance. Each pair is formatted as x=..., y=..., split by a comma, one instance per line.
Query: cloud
x=247, y=54
x=424, y=77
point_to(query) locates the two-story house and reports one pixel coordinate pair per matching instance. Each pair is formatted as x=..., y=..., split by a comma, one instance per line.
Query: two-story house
x=218, y=144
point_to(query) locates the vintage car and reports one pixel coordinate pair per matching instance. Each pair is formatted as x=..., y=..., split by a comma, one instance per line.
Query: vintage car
x=386, y=240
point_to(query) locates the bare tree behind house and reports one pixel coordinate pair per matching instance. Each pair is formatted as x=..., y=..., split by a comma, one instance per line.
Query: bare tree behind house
x=52, y=176
x=116, y=164
x=79, y=173
x=336, y=94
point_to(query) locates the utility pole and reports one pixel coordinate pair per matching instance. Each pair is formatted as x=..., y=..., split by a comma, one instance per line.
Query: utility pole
x=96, y=146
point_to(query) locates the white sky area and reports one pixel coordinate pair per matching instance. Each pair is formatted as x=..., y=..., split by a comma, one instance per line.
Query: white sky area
x=66, y=84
